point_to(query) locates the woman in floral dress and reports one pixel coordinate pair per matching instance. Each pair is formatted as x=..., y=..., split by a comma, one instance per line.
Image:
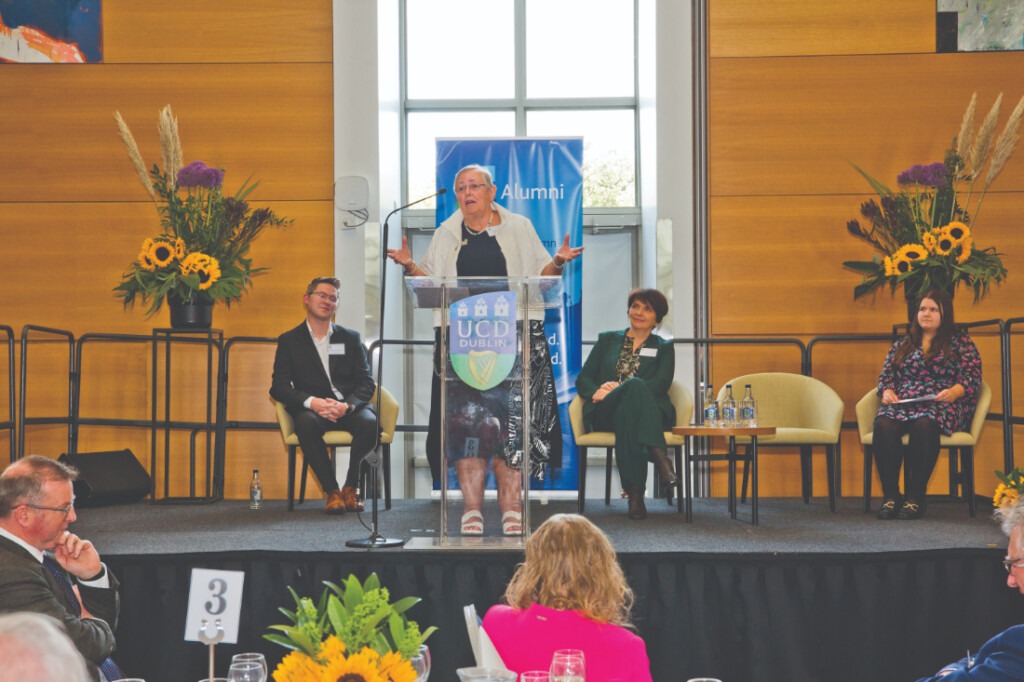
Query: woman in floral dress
x=934, y=359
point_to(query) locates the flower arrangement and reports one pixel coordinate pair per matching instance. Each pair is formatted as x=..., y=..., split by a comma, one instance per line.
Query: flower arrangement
x=1009, y=489
x=201, y=252
x=351, y=633
x=925, y=230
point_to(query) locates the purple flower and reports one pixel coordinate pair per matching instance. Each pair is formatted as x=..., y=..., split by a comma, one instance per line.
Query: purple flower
x=198, y=174
x=932, y=175
x=234, y=210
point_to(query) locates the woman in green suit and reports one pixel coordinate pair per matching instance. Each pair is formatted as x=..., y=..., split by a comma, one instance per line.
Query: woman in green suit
x=624, y=384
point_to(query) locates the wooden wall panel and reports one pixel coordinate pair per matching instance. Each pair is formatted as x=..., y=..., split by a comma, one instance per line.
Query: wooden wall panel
x=754, y=28
x=798, y=92
x=793, y=126
x=252, y=86
x=272, y=121
x=198, y=31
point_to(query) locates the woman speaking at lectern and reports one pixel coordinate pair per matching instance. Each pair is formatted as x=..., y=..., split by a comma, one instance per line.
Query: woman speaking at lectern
x=483, y=239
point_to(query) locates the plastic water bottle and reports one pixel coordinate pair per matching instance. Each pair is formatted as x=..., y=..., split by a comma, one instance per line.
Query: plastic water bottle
x=255, y=491
x=729, y=407
x=710, y=407
x=748, y=409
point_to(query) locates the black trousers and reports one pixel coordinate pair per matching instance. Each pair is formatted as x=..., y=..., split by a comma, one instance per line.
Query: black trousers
x=919, y=456
x=311, y=427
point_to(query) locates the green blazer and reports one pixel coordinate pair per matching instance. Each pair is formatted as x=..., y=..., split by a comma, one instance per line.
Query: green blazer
x=657, y=372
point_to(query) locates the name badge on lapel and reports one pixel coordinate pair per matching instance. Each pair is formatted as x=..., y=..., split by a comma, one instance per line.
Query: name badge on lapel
x=336, y=349
x=648, y=352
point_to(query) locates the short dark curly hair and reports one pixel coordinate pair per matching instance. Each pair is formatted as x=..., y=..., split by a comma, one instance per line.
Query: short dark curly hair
x=653, y=298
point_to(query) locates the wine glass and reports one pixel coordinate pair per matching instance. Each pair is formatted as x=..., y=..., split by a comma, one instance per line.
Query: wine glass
x=247, y=671
x=568, y=665
x=421, y=663
x=254, y=658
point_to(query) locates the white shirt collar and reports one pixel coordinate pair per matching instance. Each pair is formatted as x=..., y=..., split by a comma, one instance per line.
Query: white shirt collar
x=14, y=538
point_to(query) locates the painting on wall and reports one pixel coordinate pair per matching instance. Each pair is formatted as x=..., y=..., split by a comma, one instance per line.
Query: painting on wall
x=979, y=25
x=51, y=31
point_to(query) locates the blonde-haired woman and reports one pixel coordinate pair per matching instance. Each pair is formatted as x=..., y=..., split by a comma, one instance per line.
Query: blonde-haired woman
x=569, y=593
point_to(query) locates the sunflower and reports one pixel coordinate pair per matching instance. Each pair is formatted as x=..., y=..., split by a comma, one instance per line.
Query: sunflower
x=901, y=265
x=957, y=231
x=1004, y=496
x=161, y=253
x=179, y=248
x=890, y=269
x=944, y=245
x=296, y=667
x=145, y=263
x=361, y=667
x=331, y=648
x=911, y=252
x=966, y=246
x=928, y=239
x=394, y=668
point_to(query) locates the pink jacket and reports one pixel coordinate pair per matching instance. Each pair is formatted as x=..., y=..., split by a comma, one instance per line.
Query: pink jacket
x=527, y=639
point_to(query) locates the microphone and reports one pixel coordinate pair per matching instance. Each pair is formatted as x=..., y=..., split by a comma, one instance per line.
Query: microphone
x=373, y=458
x=384, y=241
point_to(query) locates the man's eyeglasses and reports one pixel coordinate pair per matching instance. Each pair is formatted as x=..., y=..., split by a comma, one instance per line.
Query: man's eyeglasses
x=63, y=510
x=1012, y=562
x=469, y=187
x=327, y=297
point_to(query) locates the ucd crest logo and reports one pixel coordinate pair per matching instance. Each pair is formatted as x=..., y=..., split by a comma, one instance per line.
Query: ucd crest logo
x=482, y=338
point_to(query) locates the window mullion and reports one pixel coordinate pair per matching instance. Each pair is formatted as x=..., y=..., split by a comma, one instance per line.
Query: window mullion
x=520, y=61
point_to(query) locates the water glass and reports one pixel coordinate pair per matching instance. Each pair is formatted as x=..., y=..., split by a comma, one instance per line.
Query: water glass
x=534, y=676
x=253, y=658
x=421, y=663
x=703, y=679
x=568, y=665
x=248, y=671
x=216, y=679
x=129, y=679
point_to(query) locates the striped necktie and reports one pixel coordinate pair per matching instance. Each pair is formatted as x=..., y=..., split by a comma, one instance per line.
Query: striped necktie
x=109, y=668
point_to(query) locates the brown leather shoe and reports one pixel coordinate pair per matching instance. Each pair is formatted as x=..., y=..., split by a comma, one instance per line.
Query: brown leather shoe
x=335, y=503
x=637, y=508
x=663, y=464
x=351, y=499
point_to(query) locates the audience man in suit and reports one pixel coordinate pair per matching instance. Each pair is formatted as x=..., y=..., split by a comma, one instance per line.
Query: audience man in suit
x=34, y=647
x=323, y=378
x=46, y=569
x=1002, y=657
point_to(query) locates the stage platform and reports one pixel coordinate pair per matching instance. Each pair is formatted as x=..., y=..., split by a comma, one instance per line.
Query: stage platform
x=805, y=595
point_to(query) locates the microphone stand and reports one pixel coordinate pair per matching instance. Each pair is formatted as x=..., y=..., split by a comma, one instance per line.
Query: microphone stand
x=373, y=457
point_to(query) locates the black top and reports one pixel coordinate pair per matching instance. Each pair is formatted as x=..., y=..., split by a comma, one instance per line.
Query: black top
x=480, y=255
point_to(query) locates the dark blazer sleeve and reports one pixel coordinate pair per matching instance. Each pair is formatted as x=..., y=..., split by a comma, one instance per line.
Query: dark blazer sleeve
x=26, y=586
x=295, y=374
x=1000, y=659
x=350, y=371
x=600, y=364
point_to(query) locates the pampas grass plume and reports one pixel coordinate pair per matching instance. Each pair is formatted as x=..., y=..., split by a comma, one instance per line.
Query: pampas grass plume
x=170, y=143
x=1005, y=144
x=963, y=140
x=983, y=143
x=134, y=154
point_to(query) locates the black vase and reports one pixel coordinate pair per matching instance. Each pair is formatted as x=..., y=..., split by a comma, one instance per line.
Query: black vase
x=197, y=314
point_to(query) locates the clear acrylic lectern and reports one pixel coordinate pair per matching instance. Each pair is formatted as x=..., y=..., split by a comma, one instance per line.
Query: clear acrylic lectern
x=485, y=415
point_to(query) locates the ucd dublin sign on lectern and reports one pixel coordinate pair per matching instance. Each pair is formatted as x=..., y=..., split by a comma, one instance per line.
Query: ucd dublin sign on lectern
x=485, y=413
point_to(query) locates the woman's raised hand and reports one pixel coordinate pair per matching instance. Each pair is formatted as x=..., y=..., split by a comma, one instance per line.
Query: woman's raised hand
x=401, y=256
x=566, y=253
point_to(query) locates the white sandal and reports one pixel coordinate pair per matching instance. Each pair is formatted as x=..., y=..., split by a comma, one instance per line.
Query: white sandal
x=512, y=523
x=473, y=523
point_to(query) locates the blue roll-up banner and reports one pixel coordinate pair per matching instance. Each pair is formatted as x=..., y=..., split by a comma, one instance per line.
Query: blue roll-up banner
x=542, y=179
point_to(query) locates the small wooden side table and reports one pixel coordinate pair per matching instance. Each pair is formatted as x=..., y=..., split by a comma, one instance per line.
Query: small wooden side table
x=730, y=432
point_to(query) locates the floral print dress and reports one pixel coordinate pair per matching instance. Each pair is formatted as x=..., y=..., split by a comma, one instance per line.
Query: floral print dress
x=919, y=376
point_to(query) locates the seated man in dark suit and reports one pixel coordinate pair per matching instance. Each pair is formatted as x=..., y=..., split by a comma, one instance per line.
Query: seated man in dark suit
x=323, y=378
x=46, y=569
x=1002, y=657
